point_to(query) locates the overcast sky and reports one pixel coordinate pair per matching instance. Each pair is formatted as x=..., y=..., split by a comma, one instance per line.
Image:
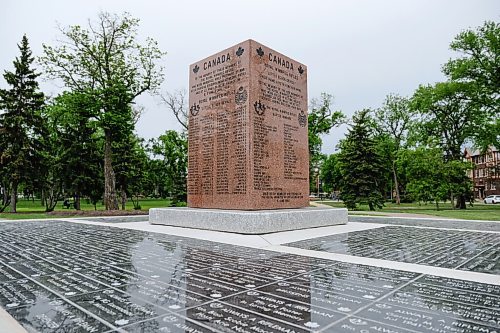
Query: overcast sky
x=359, y=51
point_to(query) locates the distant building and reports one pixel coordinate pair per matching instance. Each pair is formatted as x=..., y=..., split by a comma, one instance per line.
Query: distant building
x=486, y=173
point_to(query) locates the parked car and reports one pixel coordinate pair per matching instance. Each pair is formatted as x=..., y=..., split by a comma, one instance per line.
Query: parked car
x=492, y=199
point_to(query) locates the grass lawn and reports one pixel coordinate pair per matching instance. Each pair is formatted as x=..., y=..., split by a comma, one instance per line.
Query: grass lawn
x=479, y=211
x=27, y=209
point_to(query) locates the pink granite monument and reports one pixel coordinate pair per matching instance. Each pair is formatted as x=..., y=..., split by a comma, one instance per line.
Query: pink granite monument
x=248, y=146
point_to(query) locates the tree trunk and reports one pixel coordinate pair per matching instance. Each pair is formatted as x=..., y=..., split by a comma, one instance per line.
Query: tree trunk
x=396, y=184
x=461, y=204
x=5, y=199
x=124, y=197
x=5, y=195
x=13, y=198
x=77, y=202
x=110, y=200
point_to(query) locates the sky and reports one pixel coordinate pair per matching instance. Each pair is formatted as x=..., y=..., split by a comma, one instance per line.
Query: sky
x=357, y=50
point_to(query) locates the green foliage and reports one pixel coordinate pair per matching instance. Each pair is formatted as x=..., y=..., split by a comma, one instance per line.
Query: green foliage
x=104, y=54
x=331, y=173
x=448, y=117
x=171, y=147
x=478, y=67
x=393, y=122
x=106, y=61
x=131, y=166
x=361, y=164
x=21, y=125
x=432, y=178
x=394, y=118
x=464, y=108
x=321, y=120
x=75, y=140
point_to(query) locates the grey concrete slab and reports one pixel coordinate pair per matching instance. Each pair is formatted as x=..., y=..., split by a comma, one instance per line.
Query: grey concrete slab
x=248, y=222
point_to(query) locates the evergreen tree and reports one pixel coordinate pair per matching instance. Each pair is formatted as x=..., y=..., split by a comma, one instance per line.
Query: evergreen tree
x=361, y=165
x=21, y=124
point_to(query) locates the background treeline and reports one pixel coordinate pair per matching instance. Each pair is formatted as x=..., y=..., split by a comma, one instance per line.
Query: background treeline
x=412, y=148
x=81, y=144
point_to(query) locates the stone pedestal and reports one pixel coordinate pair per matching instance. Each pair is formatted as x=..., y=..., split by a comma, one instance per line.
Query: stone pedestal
x=248, y=142
x=248, y=222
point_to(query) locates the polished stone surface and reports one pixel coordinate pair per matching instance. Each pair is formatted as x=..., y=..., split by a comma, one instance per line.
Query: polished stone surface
x=429, y=222
x=74, y=277
x=457, y=249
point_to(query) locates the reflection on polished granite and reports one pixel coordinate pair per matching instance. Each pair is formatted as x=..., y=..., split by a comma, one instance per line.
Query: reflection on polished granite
x=66, y=277
x=429, y=222
x=457, y=249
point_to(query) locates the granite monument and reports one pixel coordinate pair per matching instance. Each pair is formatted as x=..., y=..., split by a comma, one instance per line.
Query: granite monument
x=248, y=130
x=248, y=158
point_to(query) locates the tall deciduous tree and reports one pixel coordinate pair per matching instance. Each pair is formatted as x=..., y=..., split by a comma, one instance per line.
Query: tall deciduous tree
x=430, y=177
x=449, y=119
x=21, y=124
x=106, y=60
x=176, y=102
x=393, y=119
x=478, y=66
x=321, y=120
x=361, y=164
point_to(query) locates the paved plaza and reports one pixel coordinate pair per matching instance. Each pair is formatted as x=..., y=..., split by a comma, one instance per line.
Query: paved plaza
x=375, y=274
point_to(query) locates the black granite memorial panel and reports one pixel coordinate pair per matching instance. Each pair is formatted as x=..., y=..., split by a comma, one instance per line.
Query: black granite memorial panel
x=168, y=324
x=8, y=274
x=166, y=296
x=429, y=222
x=465, y=250
x=57, y=316
x=424, y=321
x=227, y=318
x=69, y=283
x=302, y=315
x=89, y=278
x=361, y=325
x=116, y=307
x=22, y=292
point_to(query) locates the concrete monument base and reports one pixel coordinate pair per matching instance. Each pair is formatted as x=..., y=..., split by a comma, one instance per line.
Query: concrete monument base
x=248, y=222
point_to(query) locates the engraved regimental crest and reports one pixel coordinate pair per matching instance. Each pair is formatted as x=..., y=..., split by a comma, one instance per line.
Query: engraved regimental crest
x=240, y=51
x=195, y=109
x=302, y=118
x=260, y=52
x=259, y=107
x=301, y=70
x=196, y=69
x=241, y=96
